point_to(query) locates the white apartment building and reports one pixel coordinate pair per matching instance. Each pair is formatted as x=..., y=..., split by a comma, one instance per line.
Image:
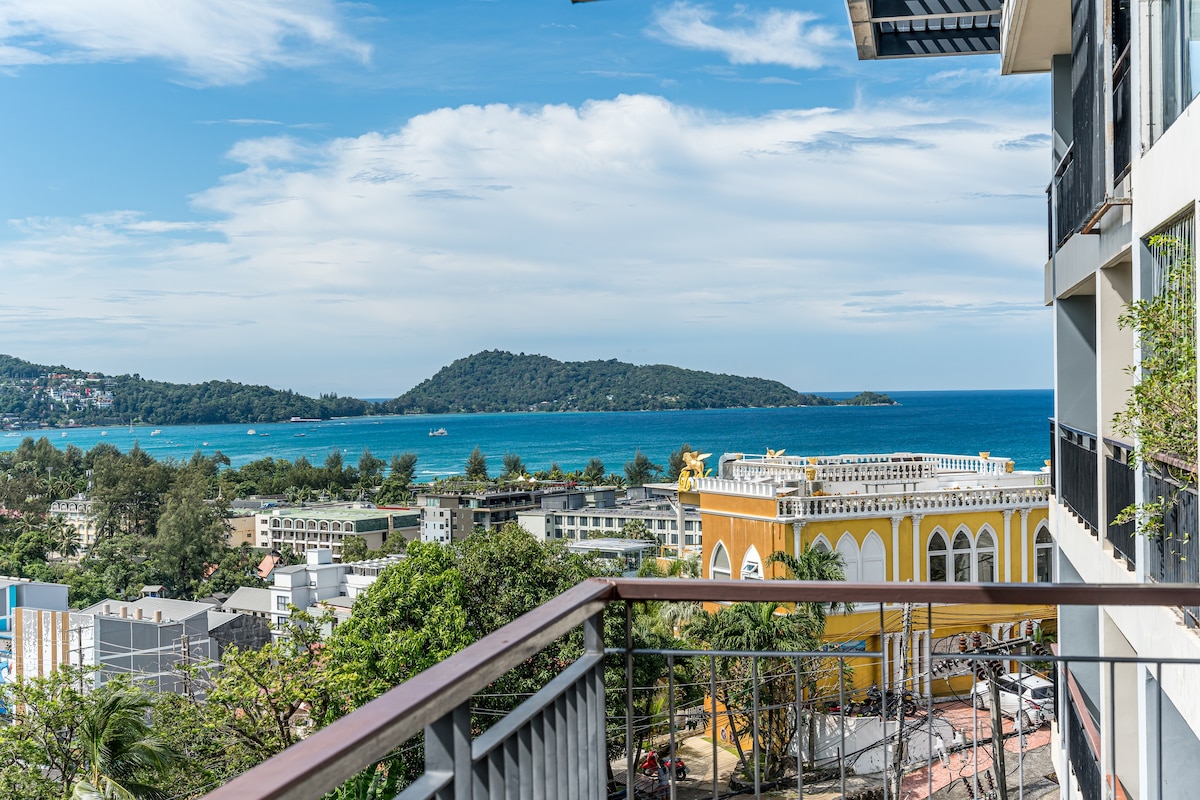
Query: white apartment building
x=577, y=524
x=1124, y=168
x=326, y=527
x=319, y=585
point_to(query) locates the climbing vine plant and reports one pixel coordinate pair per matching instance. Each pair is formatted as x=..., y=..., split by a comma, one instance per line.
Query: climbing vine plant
x=1160, y=414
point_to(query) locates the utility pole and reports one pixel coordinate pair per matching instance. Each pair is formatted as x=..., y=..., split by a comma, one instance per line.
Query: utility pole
x=998, y=734
x=79, y=651
x=187, y=659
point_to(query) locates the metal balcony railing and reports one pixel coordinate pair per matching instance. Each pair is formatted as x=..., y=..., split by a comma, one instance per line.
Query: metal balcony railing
x=1078, y=491
x=578, y=737
x=1120, y=478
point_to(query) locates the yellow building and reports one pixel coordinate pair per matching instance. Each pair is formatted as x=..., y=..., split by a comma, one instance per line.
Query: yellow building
x=892, y=517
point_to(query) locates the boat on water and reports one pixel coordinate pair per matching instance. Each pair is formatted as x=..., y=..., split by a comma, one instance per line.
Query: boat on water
x=155, y=432
x=298, y=435
x=305, y=419
x=252, y=432
x=438, y=432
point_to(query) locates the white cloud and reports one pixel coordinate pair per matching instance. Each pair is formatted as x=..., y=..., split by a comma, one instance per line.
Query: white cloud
x=213, y=42
x=775, y=37
x=828, y=248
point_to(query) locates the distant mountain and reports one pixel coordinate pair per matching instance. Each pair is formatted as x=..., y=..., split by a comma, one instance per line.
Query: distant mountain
x=35, y=393
x=495, y=380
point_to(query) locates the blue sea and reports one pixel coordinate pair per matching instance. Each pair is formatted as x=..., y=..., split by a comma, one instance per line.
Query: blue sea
x=1007, y=423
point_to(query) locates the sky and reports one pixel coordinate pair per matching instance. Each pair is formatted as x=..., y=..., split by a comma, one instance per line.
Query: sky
x=346, y=196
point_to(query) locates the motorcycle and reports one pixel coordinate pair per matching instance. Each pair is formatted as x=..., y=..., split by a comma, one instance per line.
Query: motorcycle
x=651, y=765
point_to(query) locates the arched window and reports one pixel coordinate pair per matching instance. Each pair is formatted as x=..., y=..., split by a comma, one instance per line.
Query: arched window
x=276, y=523
x=752, y=569
x=874, y=568
x=719, y=569
x=937, y=557
x=848, y=549
x=324, y=524
x=287, y=523
x=985, y=557
x=312, y=524
x=822, y=544
x=962, y=557
x=1043, y=548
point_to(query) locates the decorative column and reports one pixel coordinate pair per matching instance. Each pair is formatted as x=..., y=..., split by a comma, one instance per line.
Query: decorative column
x=796, y=528
x=1007, y=546
x=917, y=546
x=896, y=548
x=1025, y=544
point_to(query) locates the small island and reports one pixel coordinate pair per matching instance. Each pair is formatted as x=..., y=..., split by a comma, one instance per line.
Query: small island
x=495, y=381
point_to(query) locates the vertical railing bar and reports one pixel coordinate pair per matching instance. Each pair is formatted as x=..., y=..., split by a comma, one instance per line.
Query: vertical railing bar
x=929, y=698
x=799, y=738
x=593, y=728
x=842, y=722
x=572, y=752
x=883, y=698
x=712, y=693
x=629, y=740
x=512, y=769
x=1064, y=669
x=539, y=761
x=975, y=734
x=1021, y=718
x=562, y=735
x=1112, y=727
x=599, y=722
x=671, y=724
x=496, y=774
x=1158, y=744
x=754, y=726
x=525, y=762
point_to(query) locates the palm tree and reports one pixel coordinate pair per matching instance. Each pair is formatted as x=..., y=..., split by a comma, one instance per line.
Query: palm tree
x=120, y=749
x=814, y=564
x=759, y=627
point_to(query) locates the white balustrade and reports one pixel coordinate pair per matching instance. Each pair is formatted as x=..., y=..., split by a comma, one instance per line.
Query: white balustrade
x=856, y=505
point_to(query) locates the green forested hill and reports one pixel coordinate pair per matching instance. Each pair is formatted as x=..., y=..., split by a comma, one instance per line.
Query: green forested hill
x=25, y=393
x=499, y=381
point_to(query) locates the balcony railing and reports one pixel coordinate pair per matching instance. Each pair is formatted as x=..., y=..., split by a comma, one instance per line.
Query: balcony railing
x=1120, y=479
x=1077, y=449
x=560, y=743
x=1174, y=555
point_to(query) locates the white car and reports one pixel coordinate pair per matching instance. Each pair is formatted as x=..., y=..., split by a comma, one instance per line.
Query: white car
x=1030, y=693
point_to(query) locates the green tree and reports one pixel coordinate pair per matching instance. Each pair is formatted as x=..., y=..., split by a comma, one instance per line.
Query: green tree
x=641, y=469
x=403, y=468
x=514, y=467
x=675, y=463
x=191, y=534
x=593, y=473
x=477, y=469
x=123, y=758
x=354, y=548
x=370, y=468
x=814, y=564
x=760, y=627
x=265, y=700
x=128, y=491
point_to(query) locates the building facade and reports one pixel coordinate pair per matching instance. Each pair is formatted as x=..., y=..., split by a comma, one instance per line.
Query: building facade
x=1123, y=182
x=327, y=527
x=892, y=518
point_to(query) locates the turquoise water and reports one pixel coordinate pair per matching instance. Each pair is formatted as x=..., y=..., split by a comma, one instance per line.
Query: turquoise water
x=1008, y=423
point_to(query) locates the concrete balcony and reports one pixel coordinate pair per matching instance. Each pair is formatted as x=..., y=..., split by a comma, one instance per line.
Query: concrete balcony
x=576, y=737
x=1031, y=33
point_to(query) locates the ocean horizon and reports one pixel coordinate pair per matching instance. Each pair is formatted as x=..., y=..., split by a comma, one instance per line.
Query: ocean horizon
x=1010, y=423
